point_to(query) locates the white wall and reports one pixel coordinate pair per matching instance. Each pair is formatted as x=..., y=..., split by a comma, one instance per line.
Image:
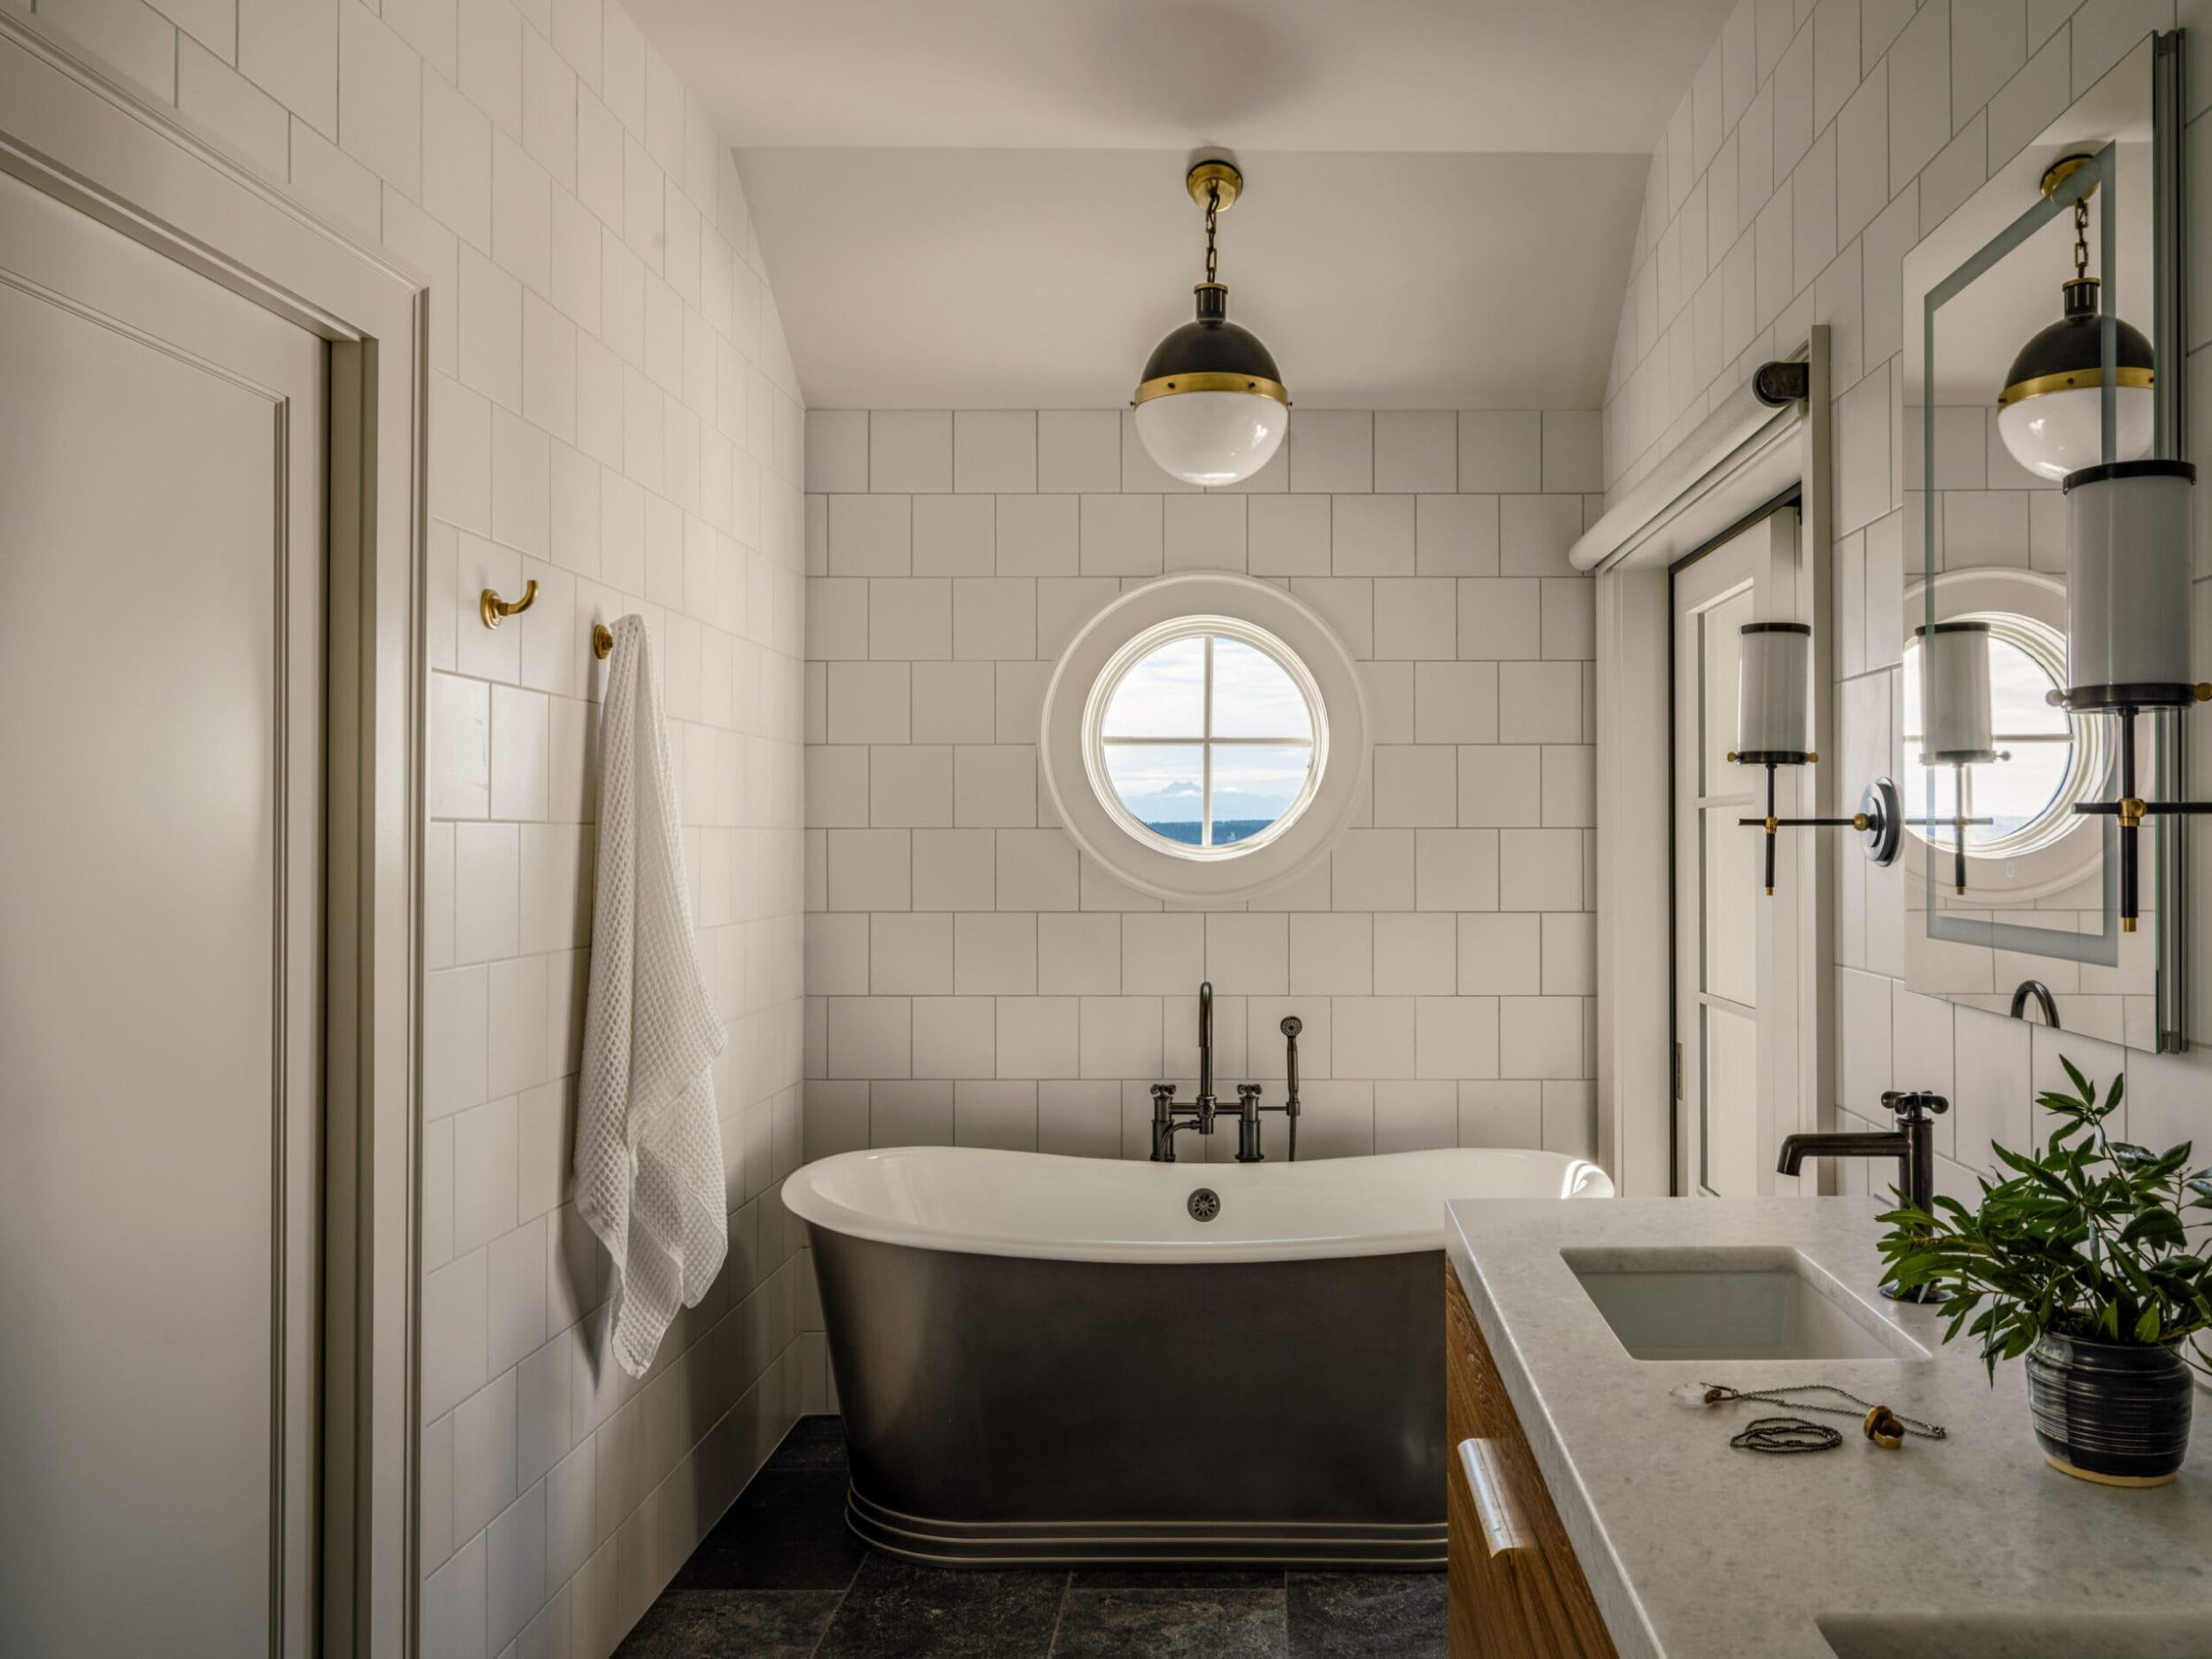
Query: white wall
x=613, y=413
x=1817, y=144
x=971, y=978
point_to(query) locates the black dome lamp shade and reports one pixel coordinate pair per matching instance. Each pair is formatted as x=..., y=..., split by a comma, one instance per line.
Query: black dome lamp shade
x=1210, y=406
x=2051, y=412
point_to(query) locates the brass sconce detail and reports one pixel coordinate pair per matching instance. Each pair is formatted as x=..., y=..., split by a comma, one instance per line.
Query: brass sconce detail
x=494, y=610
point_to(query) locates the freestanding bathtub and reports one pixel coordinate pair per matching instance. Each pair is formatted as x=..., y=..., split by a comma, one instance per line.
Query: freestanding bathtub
x=1078, y=1360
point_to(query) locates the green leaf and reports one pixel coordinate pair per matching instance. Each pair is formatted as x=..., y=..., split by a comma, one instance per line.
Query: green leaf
x=2147, y=1326
x=2082, y=1087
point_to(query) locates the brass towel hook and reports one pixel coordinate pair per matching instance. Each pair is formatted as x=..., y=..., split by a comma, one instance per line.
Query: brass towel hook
x=493, y=609
x=602, y=640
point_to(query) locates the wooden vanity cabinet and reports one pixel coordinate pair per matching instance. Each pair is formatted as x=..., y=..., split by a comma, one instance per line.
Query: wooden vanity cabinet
x=1517, y=1591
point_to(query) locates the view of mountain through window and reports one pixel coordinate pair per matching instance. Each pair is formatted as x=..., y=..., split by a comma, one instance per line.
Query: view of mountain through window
x=1208, y=740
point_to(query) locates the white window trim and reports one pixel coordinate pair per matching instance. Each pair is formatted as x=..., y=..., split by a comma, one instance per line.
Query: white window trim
x=1726, y=475
x=1142, y=619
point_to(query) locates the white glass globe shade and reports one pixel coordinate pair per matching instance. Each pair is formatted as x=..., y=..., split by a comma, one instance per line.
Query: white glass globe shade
x=1213, y=438
x=2060, y=433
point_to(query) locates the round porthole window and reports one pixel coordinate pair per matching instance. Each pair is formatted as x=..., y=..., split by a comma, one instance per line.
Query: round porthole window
x=1205, y=737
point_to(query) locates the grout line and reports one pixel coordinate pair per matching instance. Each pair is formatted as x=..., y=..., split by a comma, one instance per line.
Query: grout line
x=1059, y=1613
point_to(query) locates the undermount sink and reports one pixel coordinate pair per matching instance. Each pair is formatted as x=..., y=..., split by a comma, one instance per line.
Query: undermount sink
x=1732, y=1302
x=2016, y=1636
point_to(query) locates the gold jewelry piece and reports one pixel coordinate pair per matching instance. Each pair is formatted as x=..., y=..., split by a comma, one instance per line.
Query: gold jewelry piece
x=1883, y=1428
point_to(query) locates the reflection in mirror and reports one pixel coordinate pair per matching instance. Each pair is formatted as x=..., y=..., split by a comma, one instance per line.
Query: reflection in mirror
x=2038, y=314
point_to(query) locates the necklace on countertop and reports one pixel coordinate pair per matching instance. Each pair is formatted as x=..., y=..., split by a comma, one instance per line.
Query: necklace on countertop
x=1885, y=1427
x=1777, y=1435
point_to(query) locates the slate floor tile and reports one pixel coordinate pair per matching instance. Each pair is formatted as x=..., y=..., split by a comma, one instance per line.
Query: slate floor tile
x=1179, y=1578
x=896, y=1610
x=1171, y=1625
x=815, y=1445
x=1367, y=1615
x=786, y=1532
x=731, y=1625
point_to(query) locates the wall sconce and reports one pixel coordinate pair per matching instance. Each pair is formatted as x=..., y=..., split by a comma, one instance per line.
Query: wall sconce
x=1956, y=716
x=2127, y=622
x=1773, y=720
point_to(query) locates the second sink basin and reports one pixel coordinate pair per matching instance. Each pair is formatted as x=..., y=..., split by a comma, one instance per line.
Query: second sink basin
x=1732, y=1302
x=2017, y=1636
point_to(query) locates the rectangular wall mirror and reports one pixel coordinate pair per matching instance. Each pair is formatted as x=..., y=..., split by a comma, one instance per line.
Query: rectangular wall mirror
x=2042, y=337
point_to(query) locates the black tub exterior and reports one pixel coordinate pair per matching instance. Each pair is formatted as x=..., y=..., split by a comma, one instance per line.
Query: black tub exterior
x=1010, y=1409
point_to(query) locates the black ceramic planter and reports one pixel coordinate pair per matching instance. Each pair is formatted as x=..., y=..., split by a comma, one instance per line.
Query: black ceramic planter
x=2109, y=1412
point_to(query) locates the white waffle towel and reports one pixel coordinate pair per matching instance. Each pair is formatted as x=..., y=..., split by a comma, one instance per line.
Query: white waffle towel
x=649, y=1149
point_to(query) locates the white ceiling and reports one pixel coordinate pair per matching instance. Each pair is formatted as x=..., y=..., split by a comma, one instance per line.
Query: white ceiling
x=979, y=203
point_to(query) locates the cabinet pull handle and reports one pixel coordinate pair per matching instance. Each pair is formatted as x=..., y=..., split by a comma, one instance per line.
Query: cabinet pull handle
x=1501, y=1523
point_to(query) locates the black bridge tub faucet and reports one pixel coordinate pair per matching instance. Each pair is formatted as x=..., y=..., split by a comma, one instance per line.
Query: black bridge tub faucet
x=1167, y=1116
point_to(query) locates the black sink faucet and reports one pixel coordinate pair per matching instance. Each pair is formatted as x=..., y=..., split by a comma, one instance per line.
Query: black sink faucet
x=1167, y=1116
x=1912, y=1143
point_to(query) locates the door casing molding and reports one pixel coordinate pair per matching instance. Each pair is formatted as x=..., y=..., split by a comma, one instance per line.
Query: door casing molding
x=70, y=129
x=1635, y=957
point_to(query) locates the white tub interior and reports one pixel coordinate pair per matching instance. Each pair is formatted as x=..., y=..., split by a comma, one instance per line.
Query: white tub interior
x=1102, y=1210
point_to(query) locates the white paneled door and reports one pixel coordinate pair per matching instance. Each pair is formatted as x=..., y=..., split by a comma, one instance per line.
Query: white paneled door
x=161, y=822
x=1725, y=1117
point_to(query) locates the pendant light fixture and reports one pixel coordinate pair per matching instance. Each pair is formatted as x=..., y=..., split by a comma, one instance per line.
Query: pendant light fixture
x=1210, y=407
x=2051, y=411
x=2127, y=623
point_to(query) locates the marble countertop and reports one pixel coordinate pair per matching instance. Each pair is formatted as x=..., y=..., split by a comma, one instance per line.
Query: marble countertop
x=1697, y=1551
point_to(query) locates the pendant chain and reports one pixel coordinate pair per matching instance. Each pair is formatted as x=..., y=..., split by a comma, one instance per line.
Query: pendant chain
x=1213, y=204
x=2081, y=238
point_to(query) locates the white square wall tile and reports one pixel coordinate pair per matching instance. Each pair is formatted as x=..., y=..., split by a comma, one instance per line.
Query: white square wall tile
x=956, y=535
x=1500, y=451
x=1372, y=535
x=1035, y=535
x=1416, y=955
x=1416, y=451
x=1573, y=453
x=1332, y=449
x=1122, y=536
x=1078, y=451
x=1500, y=955
x=1416, y=618
x=994, y=451
x=1249, y=955
x=837, y=451
x=1455, y=702
x=1415, y=786
x=1287, y=535
x=1373, y=1036
x=910, y=450
x=1535, y=531
x=1455, y=535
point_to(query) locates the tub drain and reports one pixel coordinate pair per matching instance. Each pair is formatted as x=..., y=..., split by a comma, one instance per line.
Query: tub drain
x=1204, y=1205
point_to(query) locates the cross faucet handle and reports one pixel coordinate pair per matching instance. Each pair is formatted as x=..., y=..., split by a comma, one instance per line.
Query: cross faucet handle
x=1163, y=1091
x=1248, y=1090
x=1910, y=1105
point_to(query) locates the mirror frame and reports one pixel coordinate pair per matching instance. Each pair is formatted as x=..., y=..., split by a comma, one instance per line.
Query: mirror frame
x=2170, y=406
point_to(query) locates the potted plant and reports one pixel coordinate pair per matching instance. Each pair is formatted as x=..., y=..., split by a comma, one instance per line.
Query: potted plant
x=2081, y=1262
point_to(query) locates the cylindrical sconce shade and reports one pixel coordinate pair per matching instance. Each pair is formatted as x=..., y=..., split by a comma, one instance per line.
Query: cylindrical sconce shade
x=1773, y=692
x=2127, y=585
x=1955, y=694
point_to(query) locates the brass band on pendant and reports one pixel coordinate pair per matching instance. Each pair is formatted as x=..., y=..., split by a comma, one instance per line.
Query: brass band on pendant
x=2072, y=379
x=1211, y=380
